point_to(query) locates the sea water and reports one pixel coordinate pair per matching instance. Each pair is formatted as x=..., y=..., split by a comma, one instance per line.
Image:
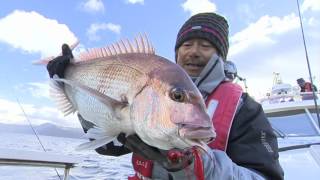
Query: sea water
x=92, y=166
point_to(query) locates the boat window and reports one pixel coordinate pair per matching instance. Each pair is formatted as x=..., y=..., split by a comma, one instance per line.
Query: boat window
x=294, y=125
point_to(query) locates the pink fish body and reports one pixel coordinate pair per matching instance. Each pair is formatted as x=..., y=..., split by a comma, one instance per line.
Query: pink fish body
x=129, y=89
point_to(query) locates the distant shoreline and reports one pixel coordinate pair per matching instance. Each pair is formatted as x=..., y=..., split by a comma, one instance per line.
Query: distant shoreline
x=46, y=129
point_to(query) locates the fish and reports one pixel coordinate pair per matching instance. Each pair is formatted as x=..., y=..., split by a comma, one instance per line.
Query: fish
x=126, y=88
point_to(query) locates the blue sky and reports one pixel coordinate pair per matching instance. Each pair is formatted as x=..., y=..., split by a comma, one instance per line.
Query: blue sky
x=265, y=37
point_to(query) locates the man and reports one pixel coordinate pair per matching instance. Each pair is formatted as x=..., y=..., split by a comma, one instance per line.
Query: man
x=305, y=86
x=245, y=147
x=230, y=70
x=306, y=89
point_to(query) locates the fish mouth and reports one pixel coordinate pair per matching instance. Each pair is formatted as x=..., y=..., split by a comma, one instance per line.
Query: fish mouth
x=198, y=134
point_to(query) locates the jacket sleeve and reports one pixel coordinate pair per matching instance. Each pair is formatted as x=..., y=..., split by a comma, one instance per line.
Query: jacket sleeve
x=252, y=143
x=114, y=148
x=217, y=165
x=252, y=151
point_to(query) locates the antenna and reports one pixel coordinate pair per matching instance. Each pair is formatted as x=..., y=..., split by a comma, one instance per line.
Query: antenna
x=276, y=78
x=307, y=59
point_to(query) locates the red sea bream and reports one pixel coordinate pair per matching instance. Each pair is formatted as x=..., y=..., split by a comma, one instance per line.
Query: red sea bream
x=126, y=88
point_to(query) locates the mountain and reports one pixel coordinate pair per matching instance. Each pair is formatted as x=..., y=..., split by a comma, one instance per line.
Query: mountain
x=15, y=128
x=46, y=129
x=49, y=129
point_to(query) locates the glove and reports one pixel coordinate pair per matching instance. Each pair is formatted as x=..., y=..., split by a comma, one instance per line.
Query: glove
x=58, y=65
x=172, y=160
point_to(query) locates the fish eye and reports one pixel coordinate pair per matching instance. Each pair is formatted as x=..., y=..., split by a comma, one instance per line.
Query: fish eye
x=178, y=95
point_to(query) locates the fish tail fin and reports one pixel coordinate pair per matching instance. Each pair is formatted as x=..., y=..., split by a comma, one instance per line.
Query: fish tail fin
x=46, y=60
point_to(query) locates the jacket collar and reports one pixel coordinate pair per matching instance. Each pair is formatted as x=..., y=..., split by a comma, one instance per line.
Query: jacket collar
x=211, y=76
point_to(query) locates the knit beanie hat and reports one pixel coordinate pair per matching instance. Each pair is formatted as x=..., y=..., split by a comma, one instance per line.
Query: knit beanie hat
x=209, y=26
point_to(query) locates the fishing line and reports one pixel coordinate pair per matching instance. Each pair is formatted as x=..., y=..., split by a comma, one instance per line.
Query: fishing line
x=25, y=114
x=35, y=132
x=309, y=69
x=30, y=124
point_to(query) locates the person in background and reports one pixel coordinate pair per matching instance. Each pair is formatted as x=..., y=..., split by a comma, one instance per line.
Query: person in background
x=245, y=146
x=305, y=86
x=230, y=70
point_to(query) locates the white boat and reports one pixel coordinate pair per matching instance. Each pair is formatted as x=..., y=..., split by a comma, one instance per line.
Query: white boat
x=295, y=122
x=12, y=157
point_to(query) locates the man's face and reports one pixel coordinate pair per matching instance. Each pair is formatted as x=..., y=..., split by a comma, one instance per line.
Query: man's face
x=301, y=83
x=193, y=55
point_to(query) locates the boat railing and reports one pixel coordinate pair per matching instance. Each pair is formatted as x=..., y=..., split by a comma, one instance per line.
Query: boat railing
x=11, y=157
x=292, y=97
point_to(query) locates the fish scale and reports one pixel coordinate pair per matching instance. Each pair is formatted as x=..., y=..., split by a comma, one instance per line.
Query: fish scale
x=111, y=79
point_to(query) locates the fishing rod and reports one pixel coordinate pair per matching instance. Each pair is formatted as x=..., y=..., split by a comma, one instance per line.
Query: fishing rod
x=33, y=129
x=309, y=69
x=25, y=114
x=244, y=80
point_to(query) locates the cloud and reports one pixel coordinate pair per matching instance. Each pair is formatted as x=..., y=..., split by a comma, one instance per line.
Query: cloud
x=36, y=89
x=290, y=64
x=34, y=33
x=245, y=12
x=313, y=5
x=313, y=22
x=313, y=31
x=94, y=28
x=12, y=113
x=135, y=1
x=261, y=32
x=92, y=6
x=198, y=6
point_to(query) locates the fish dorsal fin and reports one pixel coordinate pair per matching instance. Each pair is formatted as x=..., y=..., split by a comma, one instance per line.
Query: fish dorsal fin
x=141, y=44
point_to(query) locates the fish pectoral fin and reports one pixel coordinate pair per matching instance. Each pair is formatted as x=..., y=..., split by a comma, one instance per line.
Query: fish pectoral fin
x=58, y=94
x=100, y=137
x=111, y=103
x=96, y=133
x=94, y=144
